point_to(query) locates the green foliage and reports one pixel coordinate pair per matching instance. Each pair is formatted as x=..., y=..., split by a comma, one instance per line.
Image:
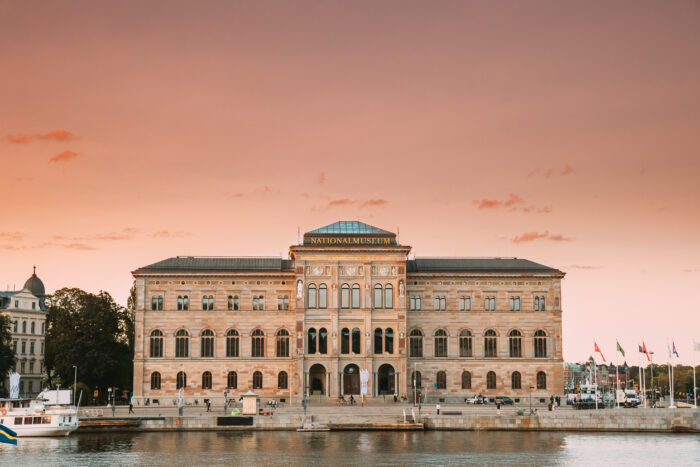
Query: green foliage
x=92, y=332
x=682, y=377
x=7, y=356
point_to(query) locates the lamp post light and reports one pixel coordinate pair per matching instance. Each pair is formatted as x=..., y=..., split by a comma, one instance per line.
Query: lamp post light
x=531, y=388
x=75, y=381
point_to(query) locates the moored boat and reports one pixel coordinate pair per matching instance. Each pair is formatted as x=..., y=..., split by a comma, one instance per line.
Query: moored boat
x=50, y=414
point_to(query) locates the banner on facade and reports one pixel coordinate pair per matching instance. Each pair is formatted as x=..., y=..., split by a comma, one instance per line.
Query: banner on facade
x=364, y=379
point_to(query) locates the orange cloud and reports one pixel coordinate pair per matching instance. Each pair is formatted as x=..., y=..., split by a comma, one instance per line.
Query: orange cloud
x=64, y=156
x=322, y=178
x=513, y=199
x=53, y=135
x=530, y=236
x=487, y=203
x=374, y=202
x=549, y=173
x=11, y=236
x=567, y=170
x=170, y=234
x=340, y=202
x=560, y=238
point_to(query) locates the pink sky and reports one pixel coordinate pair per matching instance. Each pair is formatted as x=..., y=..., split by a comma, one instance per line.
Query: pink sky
x=559, y=132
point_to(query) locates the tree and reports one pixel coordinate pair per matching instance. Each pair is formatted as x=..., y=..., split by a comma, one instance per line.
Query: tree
x=7, y=355
x=92, y=332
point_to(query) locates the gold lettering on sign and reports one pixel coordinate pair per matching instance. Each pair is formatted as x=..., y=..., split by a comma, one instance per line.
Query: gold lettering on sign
x=349, y=241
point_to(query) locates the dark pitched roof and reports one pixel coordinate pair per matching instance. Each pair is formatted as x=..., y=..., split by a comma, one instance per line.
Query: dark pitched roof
x=349, y=227
x=209, y=263
x=476, y=264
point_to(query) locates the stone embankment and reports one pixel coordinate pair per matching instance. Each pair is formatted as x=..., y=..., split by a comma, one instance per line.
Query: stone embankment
x=608, y=420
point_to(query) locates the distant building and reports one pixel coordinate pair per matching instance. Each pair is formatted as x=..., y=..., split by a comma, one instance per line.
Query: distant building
x=27, y=311
x=347, y=299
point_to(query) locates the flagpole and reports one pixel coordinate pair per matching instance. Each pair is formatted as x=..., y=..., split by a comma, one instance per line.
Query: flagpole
x=695, y=389
x=595, y=381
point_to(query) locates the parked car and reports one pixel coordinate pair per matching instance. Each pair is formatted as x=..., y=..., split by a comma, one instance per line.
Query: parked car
x=474, y=400
x=503, y=400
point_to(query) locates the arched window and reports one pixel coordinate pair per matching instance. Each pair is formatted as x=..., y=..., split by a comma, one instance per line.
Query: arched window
x=257, y=380
x=283, y=343
x=377, y=296
x=389, y=340
x=440, y=343
x=179, y=302
x=416, y=380
x=182, y=344
x=235, y=302
x=345, y=341
x=466, y=380
x=160, y=302
x=206, y=380
x=378, y=340
x=311, y=296
x=311, y=341
x=540, y=344
x=465, y=343
x=154, y=303
x=490, y=344
x=322, y=341
x=24, y=327
x=515, y=343
x=441, y=380
x=42, y=327
x=542, y=306
x=232, y=380
x=282, y=380
x=356, y=340
x=255, y=302
x=207, y=343
x=286, y=302
x=186, y=302
x=537, y=303
x=541, y=380
x=181, y=380
x=515, y=380
x=345, y=296
x=205, y=302
x=322, y=296
x=155, y=380
x=229, y=303
x=415, y=343
x=257, y=343
x=389, y=296
x=156, y=344
x=232, y=343
x=355, y=296
x=490, y=380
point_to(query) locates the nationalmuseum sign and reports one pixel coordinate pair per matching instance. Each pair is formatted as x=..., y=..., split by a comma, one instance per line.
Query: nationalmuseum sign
x=349, y=233
x=337, y=240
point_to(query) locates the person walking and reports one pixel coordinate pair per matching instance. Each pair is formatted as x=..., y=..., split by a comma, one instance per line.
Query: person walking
x=438, y=408
x=131, y=407
x=498, y=407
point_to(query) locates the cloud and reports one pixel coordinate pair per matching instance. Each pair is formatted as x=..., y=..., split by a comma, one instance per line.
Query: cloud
x=169, y=234
x=53, y=135
x=513, y=199
x=513, y=203
x=77, y=246
x=583, y=266
x=488, y=203
x=549, y=173
x=12, y=236
x=560, y=238
x=340, y=202
x=532, y=236
x=322, y=178
x=64, y=156
x=11, y=247
x=374, y=202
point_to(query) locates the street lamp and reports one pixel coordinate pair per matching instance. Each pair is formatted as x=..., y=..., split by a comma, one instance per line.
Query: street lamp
x=531, y=388
x=75, y=381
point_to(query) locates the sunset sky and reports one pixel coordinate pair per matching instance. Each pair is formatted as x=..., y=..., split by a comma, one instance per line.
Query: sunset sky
x=566, y=133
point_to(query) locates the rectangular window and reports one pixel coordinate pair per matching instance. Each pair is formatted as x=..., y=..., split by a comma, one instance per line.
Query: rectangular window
x=33, y=305
x=24, y=347
x=31, y=348
x=280, y=302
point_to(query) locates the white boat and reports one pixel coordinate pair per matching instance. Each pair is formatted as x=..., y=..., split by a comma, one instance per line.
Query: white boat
x=44, y=416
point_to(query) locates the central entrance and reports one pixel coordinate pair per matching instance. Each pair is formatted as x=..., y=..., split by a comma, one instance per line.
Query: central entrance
x=386, y=380
x=317, y=379
x=351, y=379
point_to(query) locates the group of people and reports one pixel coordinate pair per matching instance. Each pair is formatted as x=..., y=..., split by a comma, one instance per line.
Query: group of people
x=554, y=402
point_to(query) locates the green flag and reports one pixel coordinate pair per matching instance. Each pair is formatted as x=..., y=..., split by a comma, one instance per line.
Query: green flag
x=619, y=349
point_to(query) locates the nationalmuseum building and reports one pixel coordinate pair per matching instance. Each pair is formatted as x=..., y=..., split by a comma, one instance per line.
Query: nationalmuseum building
x=347, y=299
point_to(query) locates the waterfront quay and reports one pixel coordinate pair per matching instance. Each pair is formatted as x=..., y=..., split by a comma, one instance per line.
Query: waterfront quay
x=391, y=417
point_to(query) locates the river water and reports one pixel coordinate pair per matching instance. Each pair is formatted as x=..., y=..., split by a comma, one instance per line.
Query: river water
x=355, y=448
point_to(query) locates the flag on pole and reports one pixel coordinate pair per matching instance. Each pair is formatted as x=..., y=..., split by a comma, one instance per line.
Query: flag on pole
x=674, y=349
x=644, y=348
x=640, y=349
x=7, y=436
x=597, y=349
x=619, y=348
x=696, y=346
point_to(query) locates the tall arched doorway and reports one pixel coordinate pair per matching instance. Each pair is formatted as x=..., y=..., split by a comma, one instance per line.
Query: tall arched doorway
x=386, y=380
x=351, y=379
x=317, y=379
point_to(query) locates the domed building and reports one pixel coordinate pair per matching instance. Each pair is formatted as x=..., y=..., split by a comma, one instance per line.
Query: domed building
x=27, y=311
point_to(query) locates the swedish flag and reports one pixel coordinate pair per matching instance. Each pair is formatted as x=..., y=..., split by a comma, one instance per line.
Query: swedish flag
x=7, y=436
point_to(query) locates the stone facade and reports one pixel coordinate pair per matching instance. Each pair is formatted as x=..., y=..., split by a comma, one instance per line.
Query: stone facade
x=347, y=300
x=27, y=313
